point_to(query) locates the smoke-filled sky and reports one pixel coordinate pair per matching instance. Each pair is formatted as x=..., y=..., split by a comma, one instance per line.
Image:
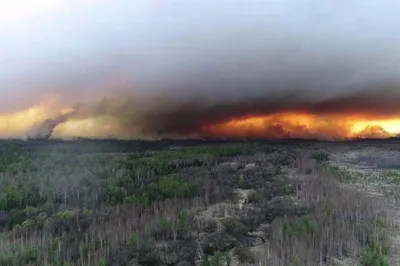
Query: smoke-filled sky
x=234, y=68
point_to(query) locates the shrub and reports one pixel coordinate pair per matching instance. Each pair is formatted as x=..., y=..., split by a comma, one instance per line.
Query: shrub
x=8, y=259
x=171, y=187
x=20, y=197
x=374, y=255
x=218, y=259
x=133, y=239
x=305, y=225
x=28, y=224
x=165, y=188
x=28, y=254
x=114, y=194
x=65, y=215
x=253, y=197
x=182, y=224
x=87, y=212
x=102, y=262
x=234, y=227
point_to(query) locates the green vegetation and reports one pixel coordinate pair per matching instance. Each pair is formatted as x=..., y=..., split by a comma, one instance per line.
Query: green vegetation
x=320, y=156
x=157, y=203
x=183, y=223
x=56, y=187
x=166, y=187
x=24, y=256
x=218, y=259
x=391, y=177
x=133, y=240
x=340, y=173
x=102, y=262
x=375, y=255
x=305, y=225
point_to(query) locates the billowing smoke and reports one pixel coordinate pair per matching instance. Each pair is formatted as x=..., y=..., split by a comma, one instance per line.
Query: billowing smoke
x=44, y=129
x=177, y=67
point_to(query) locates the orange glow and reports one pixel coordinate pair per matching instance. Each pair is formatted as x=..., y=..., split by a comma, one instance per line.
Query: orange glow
x=283, y=125
x=18, y=124
x=300, y=125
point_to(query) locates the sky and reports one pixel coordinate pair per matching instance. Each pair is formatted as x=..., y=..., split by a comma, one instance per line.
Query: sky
x=130, y=68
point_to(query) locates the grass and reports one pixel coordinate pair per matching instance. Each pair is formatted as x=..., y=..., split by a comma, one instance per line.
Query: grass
x=342, y=174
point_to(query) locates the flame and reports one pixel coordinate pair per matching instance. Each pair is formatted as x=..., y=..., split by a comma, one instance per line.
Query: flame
x=277, y=126
x=301, y=125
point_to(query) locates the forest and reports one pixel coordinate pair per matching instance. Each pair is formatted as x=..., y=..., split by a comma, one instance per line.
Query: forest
x=108, y=202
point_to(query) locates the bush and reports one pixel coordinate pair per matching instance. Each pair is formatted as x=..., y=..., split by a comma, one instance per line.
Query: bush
x=306, y=225
x=253, y=197
x=28, y=224
x=165, y=188
x=133, y=240
x=20, y=197
x=24, y=256
x=28, y=254
x=374, y=255
x=171, y=187
x=8, y=259
x=182, y=224
x=64, y=215
x=114, y=194
x=102, y=262
x=218, y=259
x=234, y=227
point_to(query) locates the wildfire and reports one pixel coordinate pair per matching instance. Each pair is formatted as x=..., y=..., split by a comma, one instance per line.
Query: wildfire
x=299, y=125
x=278, y=126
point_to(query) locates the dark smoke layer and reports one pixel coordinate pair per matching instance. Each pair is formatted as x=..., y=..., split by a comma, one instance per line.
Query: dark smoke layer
x=178, y=67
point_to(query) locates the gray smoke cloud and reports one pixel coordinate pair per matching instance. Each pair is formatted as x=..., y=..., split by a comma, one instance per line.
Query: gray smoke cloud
x=45, y=129
x=173, y=66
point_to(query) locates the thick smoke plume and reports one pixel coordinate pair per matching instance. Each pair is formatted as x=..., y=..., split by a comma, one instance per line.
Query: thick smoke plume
x=181, y=68
x=44, y=129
